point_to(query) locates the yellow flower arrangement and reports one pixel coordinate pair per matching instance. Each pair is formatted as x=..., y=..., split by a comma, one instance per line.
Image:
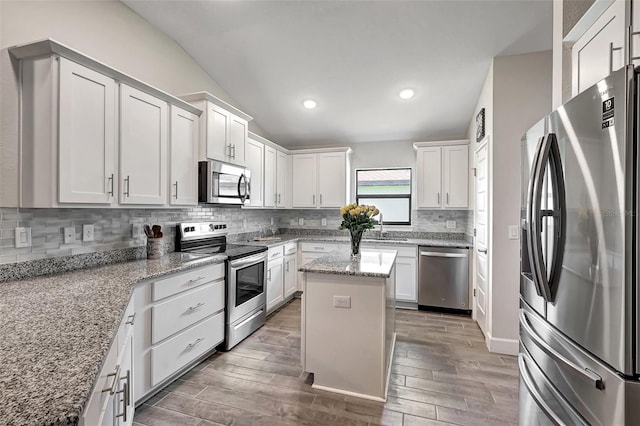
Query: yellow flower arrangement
x=357, y=219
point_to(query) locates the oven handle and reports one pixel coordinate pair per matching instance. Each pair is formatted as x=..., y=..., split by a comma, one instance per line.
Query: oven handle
x=246, y=261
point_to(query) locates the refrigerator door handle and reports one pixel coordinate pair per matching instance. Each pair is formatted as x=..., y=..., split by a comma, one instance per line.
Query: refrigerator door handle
x=532, y=206
x=544, y=346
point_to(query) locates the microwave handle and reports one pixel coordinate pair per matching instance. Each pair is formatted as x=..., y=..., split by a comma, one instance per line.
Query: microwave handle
x=242, y=196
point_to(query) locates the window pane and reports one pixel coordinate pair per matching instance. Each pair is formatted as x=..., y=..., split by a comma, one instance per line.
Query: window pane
x=384, y=181
x=392, y=209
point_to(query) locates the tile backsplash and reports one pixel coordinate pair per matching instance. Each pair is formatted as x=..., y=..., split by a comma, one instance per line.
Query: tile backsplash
x=113, y=227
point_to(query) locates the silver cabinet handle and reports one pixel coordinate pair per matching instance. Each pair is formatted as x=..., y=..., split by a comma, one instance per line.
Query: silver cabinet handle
x=484, y=250
x=176, y=185
x=125, y=390
x=320, y=199
x=112, y=389
x=288, y=265
x=195, y=280
x=439, y=254
x=127, y=182
x=611, y=50
x=544, y=346
x=319, y=248
x=447, y=198
x=229, y=150
x=275, y=198
x=438, y=198
x=110, y=179
x=234, y=151
x=279, y=199
x=131, y=319
x=314, y=199
x=194, y=344
x=269, y=278
x=193, y=308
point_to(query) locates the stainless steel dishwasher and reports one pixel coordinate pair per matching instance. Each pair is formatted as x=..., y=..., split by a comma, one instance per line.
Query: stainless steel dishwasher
x=443, y=278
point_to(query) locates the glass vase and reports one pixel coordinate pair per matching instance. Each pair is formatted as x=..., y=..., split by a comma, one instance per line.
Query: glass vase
x=356, y=237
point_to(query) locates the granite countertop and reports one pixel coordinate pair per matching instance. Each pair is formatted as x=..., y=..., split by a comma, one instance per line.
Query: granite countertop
x=372, y=263
x=434, y=242
x=56, y=331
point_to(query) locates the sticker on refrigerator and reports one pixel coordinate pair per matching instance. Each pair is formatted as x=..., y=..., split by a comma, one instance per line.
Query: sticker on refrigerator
x=608, y=111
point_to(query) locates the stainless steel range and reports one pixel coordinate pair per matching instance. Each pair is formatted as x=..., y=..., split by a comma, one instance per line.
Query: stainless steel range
x=246, y=268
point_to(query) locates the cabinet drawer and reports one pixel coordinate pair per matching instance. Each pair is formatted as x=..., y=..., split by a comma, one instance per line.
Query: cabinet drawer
x=275, y=252
x=403, y=251
x=319, y=247
x=290, y=248
x=180, y=312
x=185, y=281
x=172, y=355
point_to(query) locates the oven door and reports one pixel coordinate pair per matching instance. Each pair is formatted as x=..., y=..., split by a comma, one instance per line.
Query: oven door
x=226, y=183
x=246, y=290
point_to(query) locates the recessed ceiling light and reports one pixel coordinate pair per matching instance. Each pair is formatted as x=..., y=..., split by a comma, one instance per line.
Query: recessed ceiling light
x=406, y=94
x=309, y=104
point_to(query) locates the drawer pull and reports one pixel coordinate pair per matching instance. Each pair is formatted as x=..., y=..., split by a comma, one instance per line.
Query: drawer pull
x=193, y=308
x=112, y=389
x=319, y=248
x=194, y=344
x=131, y=319
x=195, y=280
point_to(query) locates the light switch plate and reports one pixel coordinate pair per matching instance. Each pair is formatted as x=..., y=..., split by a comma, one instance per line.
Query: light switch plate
x=272, y=221
x=342, y=302
x=324, y=221
x=514, y=233
x=87, y=233
x=69, y=234
x=136, y=230
x=300, y=221
x=451, y=224
x=23, y=237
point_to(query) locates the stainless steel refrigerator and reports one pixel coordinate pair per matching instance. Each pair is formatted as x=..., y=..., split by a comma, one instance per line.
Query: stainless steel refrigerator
x=579, y=312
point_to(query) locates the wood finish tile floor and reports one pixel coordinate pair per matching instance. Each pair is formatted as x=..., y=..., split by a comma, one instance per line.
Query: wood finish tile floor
x=442, y=375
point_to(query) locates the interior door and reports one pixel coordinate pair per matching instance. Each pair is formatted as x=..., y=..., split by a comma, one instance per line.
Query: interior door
x=481, y=248
x=591, y=305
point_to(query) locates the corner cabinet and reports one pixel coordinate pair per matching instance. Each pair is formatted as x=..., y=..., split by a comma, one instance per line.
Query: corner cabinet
x=223, y=131
x=320, y=178
x=91, y=136
x=269, y=166
x=442, y=180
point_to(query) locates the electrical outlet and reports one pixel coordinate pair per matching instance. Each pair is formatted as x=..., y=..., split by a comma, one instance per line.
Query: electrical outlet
x=300, y=221
x=87, y=233
x=23, y=237
x=324, y=221
x=514, y=233
x=342, y=302
x=69, y=234
x=136, y=230
x=244, y=223
x=272, y=221
x=451, y=224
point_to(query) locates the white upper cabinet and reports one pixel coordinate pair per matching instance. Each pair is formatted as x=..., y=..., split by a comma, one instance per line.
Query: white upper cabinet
x=442, y=170
x=183, y=189
x=303, y=193
x=601, y=49
x=81, y=144
x=282, y=179
x=143, y=147
x=270, y=176
x=87, y=135
x=223, y=136
x=320, y=178
x=254, y=155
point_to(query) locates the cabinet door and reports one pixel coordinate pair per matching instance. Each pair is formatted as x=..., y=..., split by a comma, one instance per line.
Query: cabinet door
x=218, y=123
x=270, y=170
x=143, y=148
x=290, y=275
x=254, y=155
x=303, y=192
x=282, y=169
x=275, y=294
x=124, y=404
x=429, y=182
x=456, y=176
x=406, y=280
x=600, y=50
x=238, y=132
x=87, y=135
x=100, y=407
x=184, y=158
x=332, y=179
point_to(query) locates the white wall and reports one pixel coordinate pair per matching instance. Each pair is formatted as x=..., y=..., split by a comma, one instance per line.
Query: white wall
x=521, y=89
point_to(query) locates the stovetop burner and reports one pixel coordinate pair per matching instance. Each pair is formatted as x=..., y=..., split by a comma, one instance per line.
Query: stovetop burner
x=210, y=238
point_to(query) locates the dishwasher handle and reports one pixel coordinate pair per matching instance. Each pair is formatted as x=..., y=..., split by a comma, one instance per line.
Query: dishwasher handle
x=441, y=254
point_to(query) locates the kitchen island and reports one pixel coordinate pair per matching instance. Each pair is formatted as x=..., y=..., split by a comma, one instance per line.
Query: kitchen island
x=348, y=322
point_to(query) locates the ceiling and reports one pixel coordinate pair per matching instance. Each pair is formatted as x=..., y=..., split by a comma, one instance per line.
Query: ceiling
x=353, y=58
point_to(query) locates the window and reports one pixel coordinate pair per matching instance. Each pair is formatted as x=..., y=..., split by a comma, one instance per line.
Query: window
x=387, y=189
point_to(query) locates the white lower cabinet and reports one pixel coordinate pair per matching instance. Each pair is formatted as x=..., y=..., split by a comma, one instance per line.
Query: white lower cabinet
x=111, y=401
x=275, y=279
x=310, y=250
x=406, y=279
x=180, y=321
x=290, y=269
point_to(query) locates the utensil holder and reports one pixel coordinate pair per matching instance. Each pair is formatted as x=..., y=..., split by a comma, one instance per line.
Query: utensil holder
x=155, y=248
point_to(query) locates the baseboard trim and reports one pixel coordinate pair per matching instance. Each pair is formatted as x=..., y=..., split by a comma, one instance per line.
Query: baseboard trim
x=502, y=346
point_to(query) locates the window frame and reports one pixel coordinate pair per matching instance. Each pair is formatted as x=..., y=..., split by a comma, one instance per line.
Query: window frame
x=408, y=196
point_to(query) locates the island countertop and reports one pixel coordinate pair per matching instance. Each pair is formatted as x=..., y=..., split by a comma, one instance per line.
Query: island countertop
x=57, y=329
x=372, y=263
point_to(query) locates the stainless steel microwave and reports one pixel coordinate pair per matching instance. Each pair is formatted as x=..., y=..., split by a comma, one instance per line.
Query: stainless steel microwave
x=222, y=183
